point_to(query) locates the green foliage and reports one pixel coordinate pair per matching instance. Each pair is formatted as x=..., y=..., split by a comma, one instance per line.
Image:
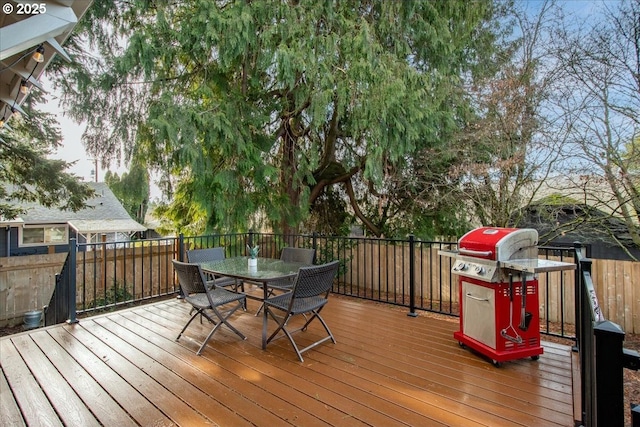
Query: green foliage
x=132, y=190
x=556, y=199
x=253, y=251
x=117, y=293
x=27, y=175
x=329, y=215
x=260, y=106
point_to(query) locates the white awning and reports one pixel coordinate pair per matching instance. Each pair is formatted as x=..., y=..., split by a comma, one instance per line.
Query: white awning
x=106, y=226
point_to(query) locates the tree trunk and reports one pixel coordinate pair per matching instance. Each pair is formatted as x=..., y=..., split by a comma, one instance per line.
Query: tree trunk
x=287, y=173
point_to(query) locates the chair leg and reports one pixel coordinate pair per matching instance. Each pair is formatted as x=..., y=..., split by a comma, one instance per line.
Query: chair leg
x=282, y=327
x=223, y=320
x=316, y=314
x=239, y=285
x=189, y=322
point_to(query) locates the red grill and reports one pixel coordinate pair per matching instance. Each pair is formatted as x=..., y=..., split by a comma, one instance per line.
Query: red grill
x=499, y=309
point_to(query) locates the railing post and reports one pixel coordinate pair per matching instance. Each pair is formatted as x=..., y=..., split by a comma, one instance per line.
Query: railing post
x=635, y=415
x=577, y=286
x=73, y=252
x=412, y=277
x=585, y=341
x=181, y=259
x=250, y=238
x=181, y=247
x=609, y=374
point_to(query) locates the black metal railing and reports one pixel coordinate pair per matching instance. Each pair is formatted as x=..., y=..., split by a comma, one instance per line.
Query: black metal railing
x=62, y=305
x=409, y=272
x=602, y=356
x=117, y=274
x=558, y=293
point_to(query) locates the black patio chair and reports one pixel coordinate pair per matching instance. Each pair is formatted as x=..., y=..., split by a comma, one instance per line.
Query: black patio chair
x=309, y=295
x=198, y=256
x=289, y=254
x=203, y=297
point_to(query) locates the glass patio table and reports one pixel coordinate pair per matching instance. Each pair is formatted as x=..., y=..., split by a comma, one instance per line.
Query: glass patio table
x=267, y=270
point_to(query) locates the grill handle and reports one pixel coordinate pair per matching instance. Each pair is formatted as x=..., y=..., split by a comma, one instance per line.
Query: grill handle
x=470, y=295
x=474, y=253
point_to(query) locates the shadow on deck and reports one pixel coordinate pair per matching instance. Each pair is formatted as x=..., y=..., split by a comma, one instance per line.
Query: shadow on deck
x=387, y=369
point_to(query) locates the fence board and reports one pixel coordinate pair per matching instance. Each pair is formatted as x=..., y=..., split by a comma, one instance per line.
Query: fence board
x=627, y=292
x=610, y=287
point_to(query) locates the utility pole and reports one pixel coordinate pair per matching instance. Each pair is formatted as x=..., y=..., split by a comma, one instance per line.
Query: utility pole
x=94, y=172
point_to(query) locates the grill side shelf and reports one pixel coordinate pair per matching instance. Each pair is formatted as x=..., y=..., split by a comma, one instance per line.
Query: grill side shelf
x=536, y=265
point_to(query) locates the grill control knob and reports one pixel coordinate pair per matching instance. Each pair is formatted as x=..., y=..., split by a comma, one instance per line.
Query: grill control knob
x=479, y=269
x=460, y=266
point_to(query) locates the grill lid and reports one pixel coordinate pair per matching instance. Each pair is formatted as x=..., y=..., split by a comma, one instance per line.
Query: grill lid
x=499, y=244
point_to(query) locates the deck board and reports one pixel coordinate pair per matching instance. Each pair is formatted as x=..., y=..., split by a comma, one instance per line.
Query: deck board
x=8, y=406
x=387, y=369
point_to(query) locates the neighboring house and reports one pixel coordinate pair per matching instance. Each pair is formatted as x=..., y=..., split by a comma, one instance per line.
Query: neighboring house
x=563, y=224
x=570, y=208
x=42, y=230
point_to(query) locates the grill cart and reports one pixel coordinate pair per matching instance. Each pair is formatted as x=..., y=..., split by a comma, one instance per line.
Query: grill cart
x=499, y=303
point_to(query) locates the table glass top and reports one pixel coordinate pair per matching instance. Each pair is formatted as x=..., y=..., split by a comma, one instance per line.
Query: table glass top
x=266, y=269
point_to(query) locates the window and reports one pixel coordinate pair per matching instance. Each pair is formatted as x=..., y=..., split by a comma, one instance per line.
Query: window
x=45, y=234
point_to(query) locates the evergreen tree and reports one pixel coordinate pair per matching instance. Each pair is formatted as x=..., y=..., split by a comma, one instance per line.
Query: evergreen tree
x=26, y=174
x=262, y=106
x=132, y=190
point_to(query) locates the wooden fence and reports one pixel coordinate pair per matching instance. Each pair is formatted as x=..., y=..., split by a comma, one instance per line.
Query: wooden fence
x=26, y=284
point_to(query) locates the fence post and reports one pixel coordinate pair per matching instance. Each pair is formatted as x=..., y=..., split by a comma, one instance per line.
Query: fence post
x=73, y=252
x=585, y=342
x=412, y=277
x=609, y=374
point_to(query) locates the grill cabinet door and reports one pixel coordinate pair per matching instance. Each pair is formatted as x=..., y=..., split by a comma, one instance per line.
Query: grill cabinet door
x=479, y=308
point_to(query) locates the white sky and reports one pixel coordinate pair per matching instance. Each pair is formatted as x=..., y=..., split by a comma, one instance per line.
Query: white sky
x=72, y=149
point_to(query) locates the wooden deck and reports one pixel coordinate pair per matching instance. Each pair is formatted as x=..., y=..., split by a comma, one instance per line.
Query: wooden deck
x=387, y=369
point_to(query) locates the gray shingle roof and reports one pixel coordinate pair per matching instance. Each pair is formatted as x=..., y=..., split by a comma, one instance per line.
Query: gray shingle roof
x=104, y=214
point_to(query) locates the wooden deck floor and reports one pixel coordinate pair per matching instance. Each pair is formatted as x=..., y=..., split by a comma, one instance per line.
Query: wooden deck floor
x=387, y=369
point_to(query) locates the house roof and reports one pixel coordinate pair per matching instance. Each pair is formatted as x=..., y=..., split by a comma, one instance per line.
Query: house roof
x=105, y=214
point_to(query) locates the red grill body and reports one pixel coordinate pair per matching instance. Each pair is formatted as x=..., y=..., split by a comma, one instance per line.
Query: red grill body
x=499, y=308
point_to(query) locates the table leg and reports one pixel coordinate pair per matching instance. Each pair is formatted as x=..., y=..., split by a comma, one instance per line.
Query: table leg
x=264, y=317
